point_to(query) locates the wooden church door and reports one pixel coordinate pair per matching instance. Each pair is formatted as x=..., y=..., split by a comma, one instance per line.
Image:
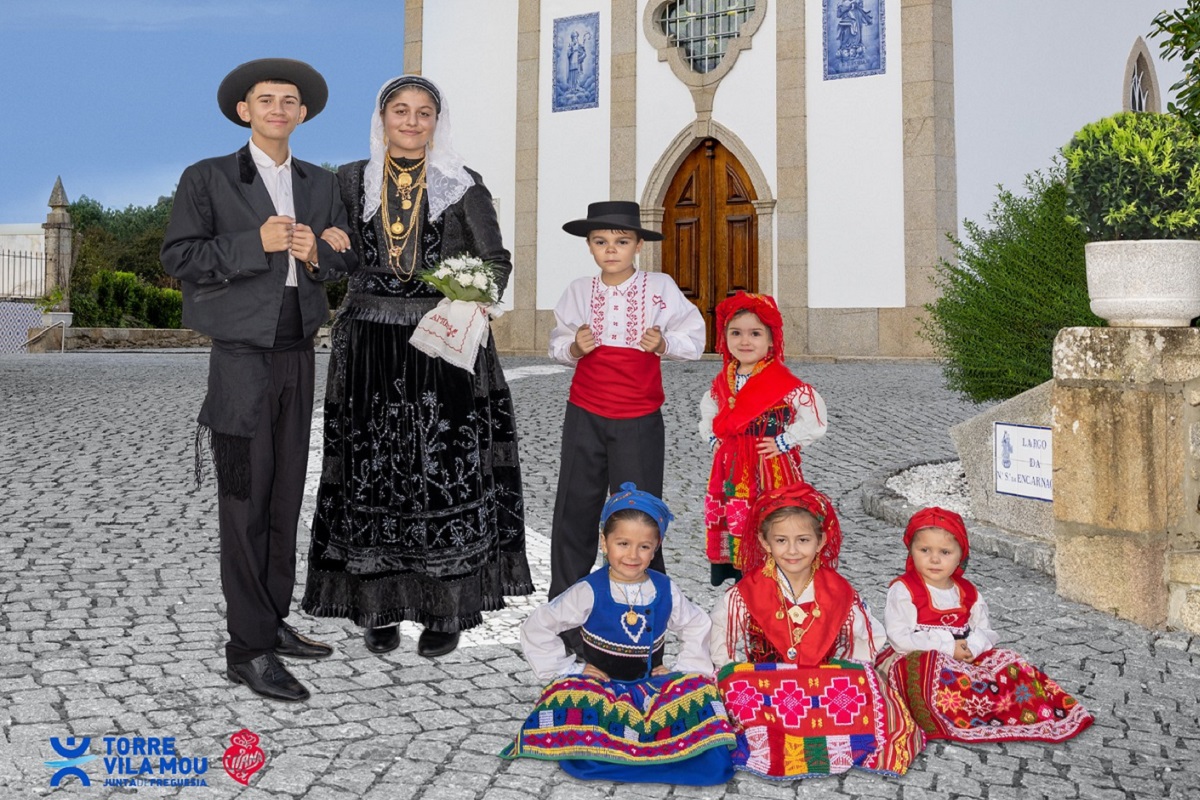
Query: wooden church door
x=710, y=243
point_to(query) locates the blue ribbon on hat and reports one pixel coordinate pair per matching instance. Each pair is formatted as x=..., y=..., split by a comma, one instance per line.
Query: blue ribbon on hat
x=632, y=497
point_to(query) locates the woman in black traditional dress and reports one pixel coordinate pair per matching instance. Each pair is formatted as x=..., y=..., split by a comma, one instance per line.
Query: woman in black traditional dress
x=419, y=512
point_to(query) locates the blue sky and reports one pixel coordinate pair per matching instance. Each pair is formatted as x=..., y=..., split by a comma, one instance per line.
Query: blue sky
x=118, y=96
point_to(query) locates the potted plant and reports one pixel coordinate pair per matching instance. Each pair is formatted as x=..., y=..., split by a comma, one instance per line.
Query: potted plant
x=48, y=305
x=1133, y=185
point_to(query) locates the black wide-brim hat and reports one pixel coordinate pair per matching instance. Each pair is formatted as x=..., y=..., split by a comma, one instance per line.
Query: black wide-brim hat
x=612, y=215
x=313, y=90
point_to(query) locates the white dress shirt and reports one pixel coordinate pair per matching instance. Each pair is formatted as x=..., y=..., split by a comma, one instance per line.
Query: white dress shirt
x=278, y=180
x=619, y=315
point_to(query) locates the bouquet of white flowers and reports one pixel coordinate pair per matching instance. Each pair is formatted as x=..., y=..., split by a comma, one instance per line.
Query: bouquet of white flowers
x=456, y=329
x=463, y=278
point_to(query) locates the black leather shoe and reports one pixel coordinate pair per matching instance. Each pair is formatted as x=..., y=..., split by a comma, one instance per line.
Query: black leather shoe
x=296, y=645
x=267, y=677
x=431, y=643
x=382, y=640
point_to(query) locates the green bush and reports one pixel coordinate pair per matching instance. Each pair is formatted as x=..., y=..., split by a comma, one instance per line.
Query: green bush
x=123, y=300
x=1134, y=176
x=1015, y=285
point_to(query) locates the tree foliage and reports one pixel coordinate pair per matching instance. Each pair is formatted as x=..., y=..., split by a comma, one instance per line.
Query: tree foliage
x=1015, y=284
x=1178, y=32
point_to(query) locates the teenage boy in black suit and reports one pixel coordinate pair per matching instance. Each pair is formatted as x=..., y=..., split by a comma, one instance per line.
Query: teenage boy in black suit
x=252, y=236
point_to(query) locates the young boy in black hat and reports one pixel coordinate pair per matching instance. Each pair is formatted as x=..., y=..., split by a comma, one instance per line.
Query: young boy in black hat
x=250, y=241
x=614, y=329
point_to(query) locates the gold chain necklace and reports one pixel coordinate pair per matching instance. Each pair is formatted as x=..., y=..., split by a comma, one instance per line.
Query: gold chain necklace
x=795, y=615
x=397, y=234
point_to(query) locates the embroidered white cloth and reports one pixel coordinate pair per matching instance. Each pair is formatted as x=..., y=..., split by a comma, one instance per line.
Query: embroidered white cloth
x=454, y=331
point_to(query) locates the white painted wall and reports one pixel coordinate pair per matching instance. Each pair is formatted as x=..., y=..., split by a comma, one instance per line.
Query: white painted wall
x=664, y=106
x=745, y=99
x=573, y=158
x=470, y=51
x=1028, y=74
x=23, y=237
x=855, y=177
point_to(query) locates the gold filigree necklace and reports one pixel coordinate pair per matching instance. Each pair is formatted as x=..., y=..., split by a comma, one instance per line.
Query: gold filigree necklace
x=409, y=192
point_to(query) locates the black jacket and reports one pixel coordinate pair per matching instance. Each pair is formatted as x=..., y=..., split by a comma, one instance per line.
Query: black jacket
x=232, y=290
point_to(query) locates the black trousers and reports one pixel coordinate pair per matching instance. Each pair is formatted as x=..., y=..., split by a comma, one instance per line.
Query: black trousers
x=598, y=455
x=258, y=534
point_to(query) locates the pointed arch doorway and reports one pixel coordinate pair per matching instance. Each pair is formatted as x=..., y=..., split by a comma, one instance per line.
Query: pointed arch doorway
x=710, y=227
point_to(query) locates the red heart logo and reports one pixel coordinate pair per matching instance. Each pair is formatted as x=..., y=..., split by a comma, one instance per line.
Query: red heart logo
x=243, y=757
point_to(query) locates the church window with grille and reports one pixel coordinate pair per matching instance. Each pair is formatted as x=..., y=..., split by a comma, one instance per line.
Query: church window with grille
x=703, y=29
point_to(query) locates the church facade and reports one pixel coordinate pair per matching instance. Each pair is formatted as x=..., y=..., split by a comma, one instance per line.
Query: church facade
x=800, y=149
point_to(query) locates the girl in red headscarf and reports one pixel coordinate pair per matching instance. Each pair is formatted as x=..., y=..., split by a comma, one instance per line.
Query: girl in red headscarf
x=757, y=416
x=943, y=657
x=804, y=697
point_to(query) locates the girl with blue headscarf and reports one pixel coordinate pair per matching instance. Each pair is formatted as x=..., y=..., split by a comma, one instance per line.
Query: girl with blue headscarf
x=613, y=710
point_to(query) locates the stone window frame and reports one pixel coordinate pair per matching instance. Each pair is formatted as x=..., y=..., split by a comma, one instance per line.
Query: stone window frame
x=1140, y=52
x=703, y=85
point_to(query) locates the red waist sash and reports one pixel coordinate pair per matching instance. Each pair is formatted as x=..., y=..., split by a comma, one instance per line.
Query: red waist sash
x=618, y=383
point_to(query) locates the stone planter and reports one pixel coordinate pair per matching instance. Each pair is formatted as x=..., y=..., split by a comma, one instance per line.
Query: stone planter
x=1144, y=283
x=54, y=317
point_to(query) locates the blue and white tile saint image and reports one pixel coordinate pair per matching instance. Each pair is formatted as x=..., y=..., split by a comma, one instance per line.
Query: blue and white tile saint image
x=854, y=40
x=576, y=62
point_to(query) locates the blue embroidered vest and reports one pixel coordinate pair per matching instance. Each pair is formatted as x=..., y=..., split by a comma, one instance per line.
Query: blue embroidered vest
x=626, y=643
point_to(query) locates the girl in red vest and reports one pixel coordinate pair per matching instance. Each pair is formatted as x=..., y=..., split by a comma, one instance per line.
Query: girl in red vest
x=802, y=692
x=757, y=416
x=943, y=657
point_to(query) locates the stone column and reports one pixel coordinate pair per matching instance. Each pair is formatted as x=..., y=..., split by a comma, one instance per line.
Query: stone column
x=60, y=246
x=1126, y=424
x=930, y=184
x=414, y=33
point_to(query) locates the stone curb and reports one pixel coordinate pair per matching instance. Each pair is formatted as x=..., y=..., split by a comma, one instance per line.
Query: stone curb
x=883, y=503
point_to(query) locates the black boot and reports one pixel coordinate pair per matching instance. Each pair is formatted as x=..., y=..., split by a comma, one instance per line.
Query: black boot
x=382, y=640
x=432, y=644
x=266, y=676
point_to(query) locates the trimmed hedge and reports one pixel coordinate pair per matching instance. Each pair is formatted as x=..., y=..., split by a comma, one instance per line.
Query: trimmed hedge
x=123, y=300
x=1015, y=284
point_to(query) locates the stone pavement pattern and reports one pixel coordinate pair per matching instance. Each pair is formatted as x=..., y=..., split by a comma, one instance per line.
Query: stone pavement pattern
x=112, y=620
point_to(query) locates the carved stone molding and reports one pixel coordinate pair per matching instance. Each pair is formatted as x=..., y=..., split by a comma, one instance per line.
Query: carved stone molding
x=703, y=85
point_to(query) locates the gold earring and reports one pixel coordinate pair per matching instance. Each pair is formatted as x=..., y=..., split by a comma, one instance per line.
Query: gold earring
x=769, y=567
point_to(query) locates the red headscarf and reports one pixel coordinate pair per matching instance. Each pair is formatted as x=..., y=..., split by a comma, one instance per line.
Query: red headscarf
x=762, y=306
x=934, y=517
x=795, y=495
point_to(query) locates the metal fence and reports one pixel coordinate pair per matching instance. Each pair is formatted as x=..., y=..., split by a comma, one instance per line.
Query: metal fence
x=22, y=274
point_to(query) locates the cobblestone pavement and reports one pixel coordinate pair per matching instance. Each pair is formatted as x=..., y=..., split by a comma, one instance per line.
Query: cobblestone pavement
x=112, y=625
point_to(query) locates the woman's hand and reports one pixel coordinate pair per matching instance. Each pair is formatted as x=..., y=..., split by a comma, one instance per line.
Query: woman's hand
x=337, y=239
x=962, y=652
x=659, y=670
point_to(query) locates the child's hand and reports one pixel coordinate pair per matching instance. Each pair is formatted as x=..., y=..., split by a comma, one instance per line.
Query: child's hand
x=659, y=670
x=653, y=341
x=592, y=672
x=767, y=446
x=585, y=342
x=962, y=652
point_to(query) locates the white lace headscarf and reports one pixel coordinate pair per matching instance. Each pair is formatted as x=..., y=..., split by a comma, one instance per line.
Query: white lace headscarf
x=446, y=175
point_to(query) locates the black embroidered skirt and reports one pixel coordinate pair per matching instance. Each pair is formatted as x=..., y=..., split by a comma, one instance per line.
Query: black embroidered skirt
x=419, y=511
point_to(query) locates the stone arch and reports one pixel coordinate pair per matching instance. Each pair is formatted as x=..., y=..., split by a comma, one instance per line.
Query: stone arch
x=659, y=180
x=1141, y=78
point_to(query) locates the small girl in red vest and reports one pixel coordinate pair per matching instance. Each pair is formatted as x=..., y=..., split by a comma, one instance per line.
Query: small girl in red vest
x=757, y=416
x=802, y=690
x=943, y=657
